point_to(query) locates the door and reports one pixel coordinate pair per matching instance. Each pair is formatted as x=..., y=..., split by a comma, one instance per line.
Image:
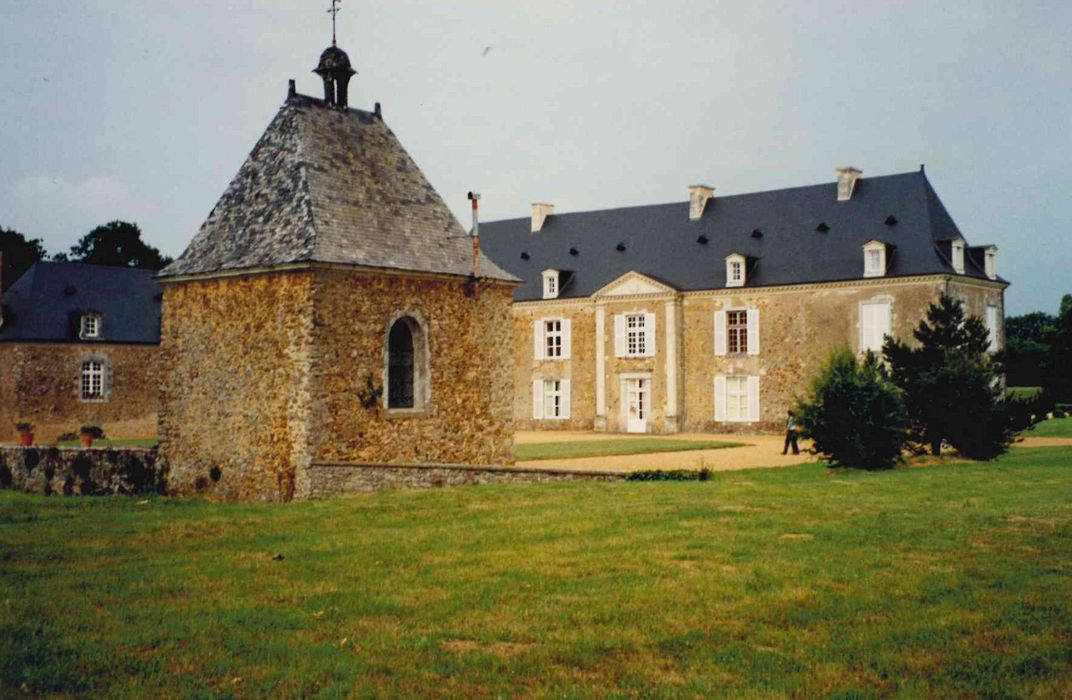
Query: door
x=637, y=400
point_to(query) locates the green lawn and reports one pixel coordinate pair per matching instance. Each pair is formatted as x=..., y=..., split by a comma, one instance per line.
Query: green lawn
x=1055, y=427
x=949, y=581
x=599, y=448
x=1024, y=392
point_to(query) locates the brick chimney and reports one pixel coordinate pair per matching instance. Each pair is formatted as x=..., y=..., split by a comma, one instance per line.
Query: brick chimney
x=540, y=212
x=846, y=182
x=698, y=198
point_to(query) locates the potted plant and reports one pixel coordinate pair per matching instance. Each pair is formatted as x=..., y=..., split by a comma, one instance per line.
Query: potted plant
x=89, y=433
x=26, y=431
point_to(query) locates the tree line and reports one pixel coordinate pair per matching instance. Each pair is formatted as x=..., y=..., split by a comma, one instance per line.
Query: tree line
x=117, y=243
x=946, y=388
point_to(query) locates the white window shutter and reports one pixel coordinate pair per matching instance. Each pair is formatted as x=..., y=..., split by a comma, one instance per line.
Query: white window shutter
x=567, y=338
x=537, y=339
x=882, y=324
x=865, y=326
x=720, y=332
x=649, y=335
x=619, y=335
x=753, y=398
x=537, y=399
x=565, y=389
x=753, y=331
x=720, y=398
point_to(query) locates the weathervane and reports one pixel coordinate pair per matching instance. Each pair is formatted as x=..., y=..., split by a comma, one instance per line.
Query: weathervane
x=333, y=12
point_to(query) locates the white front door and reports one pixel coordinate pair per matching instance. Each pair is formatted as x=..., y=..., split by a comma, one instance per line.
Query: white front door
x=637, y=401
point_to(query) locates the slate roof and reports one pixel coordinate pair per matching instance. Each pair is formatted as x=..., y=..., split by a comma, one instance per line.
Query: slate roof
x=661, y=242
x=333, y=185
x=46, y=304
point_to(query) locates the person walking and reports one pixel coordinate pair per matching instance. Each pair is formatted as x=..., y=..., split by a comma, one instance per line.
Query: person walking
x=791, y=434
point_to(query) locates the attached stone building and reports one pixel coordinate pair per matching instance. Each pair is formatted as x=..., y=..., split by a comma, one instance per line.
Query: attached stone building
x=331, y=313
x=713, y=314
x=79, y=345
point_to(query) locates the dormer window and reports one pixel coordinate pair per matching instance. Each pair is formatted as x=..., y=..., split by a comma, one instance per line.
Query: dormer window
x=735, y=270
x=990, y=257
x=874, y=259
x=958, y=256
x=550, y=284
x=91, y=327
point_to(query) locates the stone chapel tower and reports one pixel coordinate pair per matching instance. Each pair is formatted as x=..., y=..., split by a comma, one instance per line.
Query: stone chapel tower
x=327, y=315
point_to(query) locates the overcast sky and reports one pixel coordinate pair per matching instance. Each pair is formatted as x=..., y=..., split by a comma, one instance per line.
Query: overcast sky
x=144, y=110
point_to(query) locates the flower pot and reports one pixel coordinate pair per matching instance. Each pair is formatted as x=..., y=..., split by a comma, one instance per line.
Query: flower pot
x=87, y=440
x=27, y=438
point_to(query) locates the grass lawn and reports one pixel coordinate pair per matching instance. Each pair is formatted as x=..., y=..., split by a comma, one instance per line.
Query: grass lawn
x=599, y=448
x=1024, y=392
x=949, y=581
x=1055, y=427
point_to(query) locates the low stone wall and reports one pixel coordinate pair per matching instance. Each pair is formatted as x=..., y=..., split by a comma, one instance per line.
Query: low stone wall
x=332, y=479
x=86, y=472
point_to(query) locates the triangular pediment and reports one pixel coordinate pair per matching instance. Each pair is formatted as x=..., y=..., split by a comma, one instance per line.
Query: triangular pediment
x=632, y=284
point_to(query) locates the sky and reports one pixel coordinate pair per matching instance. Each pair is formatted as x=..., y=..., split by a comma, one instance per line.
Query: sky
x=144, y=110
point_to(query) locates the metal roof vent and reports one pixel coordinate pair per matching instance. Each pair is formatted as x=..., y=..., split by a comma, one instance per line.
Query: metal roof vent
x=702, y=240
x=574, y=251
x=525, y=255
x=620, y=247
x=822, y=227
x=757, y=234
x=891, y=220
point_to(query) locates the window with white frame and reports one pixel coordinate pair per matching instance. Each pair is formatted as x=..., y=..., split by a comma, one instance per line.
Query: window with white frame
x=737, y=332
x=874, y=259
x=635, y=335
x=991, y=261
x=92, y=380
x=874, y=324
x=958, y=256
x=91, y=326
x=736, y=398
x=551, y=338
x=551, y=399
x=992, y=326
x=735, y=270
x=550, y=284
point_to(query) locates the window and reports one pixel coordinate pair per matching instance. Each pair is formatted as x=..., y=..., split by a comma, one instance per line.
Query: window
x=400, y=368
x=91, y=326
x=635, y=335
x=874, y=259
x=93, y=380
x=735, y=270
x=992, y=326
x=958, y=256
x=874, y=325
x=550, y=284
x=551, y=338
x=736, y=399
x=551, y=399
x=991, y=259
x=737, y=331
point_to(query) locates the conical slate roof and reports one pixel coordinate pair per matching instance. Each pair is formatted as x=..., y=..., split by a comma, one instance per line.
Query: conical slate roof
x=330, y=185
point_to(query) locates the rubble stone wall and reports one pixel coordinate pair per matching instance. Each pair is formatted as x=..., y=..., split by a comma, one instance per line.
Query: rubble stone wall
x=235, y=390
x=40, y=383
x=466, y=332
x=86, y=472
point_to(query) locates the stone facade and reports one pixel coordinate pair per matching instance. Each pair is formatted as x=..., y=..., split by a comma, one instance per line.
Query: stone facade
x=268, y=374
x=40, y=384
x=799, y=325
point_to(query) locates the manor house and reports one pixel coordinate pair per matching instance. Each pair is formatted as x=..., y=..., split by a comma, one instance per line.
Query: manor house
x=331, y=313
x=713, y=314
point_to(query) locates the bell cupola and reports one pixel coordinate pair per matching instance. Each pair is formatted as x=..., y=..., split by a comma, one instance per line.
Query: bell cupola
x=334, y=69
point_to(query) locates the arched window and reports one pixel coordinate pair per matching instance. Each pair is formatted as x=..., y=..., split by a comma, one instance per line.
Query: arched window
x=400, y=365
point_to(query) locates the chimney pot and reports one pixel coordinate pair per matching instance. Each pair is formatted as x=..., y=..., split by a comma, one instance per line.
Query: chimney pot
x=378, y=111
x=699, y=195
x=540, y=212
x=292, y=89
x=846, y=179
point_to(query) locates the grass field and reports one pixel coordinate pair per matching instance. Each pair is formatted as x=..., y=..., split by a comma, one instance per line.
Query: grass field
x=954, y=580
x=1055, y=427
x=613, y=446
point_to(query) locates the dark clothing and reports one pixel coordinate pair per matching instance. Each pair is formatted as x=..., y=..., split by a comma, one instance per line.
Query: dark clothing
x=791, y=439
x=791, y=436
